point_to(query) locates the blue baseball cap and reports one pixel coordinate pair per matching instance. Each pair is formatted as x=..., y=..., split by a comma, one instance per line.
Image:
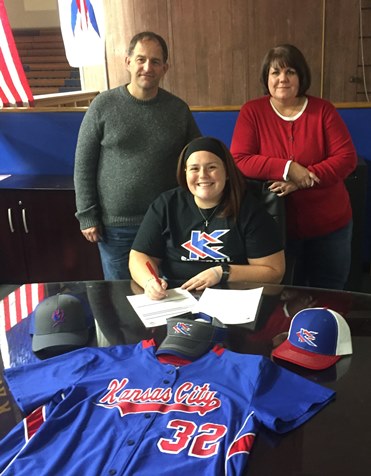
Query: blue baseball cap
x=317, y=339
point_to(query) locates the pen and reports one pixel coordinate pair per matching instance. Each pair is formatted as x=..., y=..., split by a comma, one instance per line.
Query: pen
x=153, y=272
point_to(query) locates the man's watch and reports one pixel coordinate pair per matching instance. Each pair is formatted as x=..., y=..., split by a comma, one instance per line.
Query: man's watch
x=225, y=272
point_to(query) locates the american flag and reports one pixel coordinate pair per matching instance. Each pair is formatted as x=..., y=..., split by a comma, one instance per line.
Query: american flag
x=14, y=88
x=14, y=330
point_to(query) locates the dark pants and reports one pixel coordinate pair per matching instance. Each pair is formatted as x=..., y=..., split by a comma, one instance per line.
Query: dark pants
x=114, y=251
x=322, y=262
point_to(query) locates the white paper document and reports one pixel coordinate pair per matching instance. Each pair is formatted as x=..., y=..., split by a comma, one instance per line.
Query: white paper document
x=155, y=313
x=230, y=306
x=3, y=177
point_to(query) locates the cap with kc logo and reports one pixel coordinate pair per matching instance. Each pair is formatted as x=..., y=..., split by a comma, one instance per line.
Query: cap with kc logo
x=318, y=338
x=191, y=335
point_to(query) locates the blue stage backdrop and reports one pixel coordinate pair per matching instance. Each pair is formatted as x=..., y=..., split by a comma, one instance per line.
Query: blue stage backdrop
x=44, y=142
x=41, y=142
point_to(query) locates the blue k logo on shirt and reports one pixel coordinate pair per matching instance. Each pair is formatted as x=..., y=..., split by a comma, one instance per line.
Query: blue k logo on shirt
x=205, y=245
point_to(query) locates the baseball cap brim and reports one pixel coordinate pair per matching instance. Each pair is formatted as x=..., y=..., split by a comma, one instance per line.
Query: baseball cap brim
x=309, y=360
x=75, y=339
x=206, y=332
x=184, y=346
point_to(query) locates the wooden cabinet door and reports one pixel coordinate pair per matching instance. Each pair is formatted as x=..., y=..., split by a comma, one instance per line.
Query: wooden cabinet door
x=13, y=269
x=54, y=246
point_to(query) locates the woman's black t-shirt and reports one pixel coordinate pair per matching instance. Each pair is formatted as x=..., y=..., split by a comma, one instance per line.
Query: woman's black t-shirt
x=174, y=231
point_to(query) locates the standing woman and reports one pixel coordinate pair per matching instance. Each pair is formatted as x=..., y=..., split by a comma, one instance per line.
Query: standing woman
x=208, y=230
x=301, y=145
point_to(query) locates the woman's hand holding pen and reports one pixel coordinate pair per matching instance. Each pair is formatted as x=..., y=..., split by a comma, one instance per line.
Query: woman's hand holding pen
x=155, y=287
x=154, y=290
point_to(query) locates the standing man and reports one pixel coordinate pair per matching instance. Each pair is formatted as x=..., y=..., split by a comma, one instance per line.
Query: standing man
x=127, y=151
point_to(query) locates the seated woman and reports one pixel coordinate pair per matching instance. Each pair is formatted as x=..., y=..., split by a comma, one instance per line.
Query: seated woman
x=208, y=230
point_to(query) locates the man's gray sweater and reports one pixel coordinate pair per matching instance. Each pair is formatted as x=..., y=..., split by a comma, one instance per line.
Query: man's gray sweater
x=126, y=155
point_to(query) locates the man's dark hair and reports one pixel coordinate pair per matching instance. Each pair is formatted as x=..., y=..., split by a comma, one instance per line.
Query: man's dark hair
x=149, y=35
x=286, y=56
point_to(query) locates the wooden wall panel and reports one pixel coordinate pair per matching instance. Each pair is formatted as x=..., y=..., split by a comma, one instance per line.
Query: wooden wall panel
x=272, y=22
x=217, y=46
x=123, y=20
x=366, y=50
x=363, y=75
x=209, y=51
x=341, y=47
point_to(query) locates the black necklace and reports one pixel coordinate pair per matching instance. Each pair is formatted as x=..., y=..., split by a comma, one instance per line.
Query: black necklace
x=207, y=219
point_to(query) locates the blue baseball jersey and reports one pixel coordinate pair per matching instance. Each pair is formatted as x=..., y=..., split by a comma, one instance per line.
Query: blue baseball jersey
x=121, y=411
x=14, y=442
